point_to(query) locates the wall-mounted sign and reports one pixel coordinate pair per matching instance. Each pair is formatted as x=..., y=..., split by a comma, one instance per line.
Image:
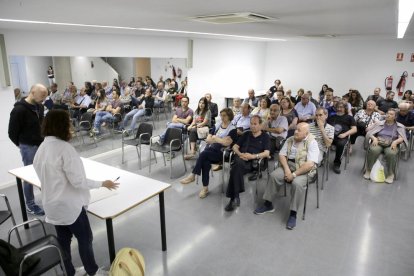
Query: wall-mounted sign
x=400, y=56
x=412, y=57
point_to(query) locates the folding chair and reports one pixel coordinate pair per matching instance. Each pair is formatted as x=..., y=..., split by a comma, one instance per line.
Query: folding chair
x=142, y=137
x=6, y=214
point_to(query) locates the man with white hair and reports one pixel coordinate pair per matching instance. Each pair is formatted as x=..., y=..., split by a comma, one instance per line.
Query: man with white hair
x=298, y=157
x=24, y=131
x=405, y=116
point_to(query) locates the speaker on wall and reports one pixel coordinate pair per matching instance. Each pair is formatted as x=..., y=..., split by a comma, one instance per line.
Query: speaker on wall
x=190, y=54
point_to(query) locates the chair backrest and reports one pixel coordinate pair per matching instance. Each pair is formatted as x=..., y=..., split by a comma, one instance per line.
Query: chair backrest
x=172, y=134
x=87, y=116
x=144, y=128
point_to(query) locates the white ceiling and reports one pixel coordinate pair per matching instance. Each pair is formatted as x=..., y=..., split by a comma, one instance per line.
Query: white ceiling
x=348, y=19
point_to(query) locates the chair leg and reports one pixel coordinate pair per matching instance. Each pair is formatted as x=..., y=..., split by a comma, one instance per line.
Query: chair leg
x=317, y=190
x=185, y=166
x=17, y=230
x=306, y=199
x=122, y=153
x=138, y=148
x=170, y=164
x=163, y=156
x=155, y=157
x=150, y=161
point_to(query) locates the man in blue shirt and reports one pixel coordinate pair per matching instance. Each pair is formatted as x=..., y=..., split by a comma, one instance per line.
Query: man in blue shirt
x=306, y=109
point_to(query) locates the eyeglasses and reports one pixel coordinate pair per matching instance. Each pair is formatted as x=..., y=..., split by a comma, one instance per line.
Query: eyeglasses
x=319, y=115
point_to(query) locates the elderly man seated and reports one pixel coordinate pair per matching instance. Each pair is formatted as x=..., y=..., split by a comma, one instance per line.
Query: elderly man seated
x=252, y=145
x=405, y=116
x=242, y=121
x=305, y=108
x=251, y=100
x=277, y=127
x=322, y=131
x=297, y=158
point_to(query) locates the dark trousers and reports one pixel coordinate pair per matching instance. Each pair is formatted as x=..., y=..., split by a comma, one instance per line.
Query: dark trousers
x=360, y=132
x=81, y=229
x=340, y=145
x=192, y=135
x=236, y=180
x=203, y=165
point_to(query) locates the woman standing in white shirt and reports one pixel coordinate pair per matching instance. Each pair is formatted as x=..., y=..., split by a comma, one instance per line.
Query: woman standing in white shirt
x=65, y=190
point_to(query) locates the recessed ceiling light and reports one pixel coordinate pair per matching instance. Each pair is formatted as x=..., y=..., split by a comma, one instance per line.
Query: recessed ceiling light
x=140, y=29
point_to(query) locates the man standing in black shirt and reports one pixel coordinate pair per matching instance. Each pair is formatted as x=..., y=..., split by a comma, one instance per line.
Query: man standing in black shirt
x=252, y=145
x=213, y=109
x=345, y=126
x=24, y=131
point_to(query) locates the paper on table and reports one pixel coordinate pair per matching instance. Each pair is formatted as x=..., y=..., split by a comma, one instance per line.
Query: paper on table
x=101, y=193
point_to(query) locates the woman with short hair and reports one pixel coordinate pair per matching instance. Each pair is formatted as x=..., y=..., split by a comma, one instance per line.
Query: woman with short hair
x=288, y=110
x=385, y=137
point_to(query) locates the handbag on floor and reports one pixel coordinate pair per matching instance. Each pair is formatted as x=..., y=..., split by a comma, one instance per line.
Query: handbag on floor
x=128, y=262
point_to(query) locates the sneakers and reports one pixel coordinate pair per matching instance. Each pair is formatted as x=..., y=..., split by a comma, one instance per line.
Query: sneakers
x=389, y=179
x=291, y=223
x=125, y=133
x=367, y=175
x=80, y=271
x=102, y=272
x=233, y=204
x=203, y=193
x=188, y=179
x=35, y=210
x=95, y=130
x=264, y=209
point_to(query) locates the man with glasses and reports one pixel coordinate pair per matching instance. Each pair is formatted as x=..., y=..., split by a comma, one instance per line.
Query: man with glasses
x=306, y=109
x=376, y=97
x=344, y=126
x=322, y=131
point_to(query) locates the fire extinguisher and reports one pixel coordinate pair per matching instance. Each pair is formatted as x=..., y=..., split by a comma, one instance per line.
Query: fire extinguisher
x=401, y=83
x=388, y=83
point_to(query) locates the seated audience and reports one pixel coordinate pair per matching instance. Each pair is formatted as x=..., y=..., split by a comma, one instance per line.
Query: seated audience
x=327, y=102
x=224, y=136
x=344, y=125
x=69, y=96
x=17, y=94
x=144, y=107
x=364, y=118
x=81, y=104
x=356, y=101
x=213, y=108
x=322, y=131
x=55, y=95
x=311, y=99
x=108, y=89
x=305, y=109
x=289, y=95
x=272, y=90
x=100, y=103
x=183, y=116
x=263, y=109
x=138, y=91
x=345, y=98
x=251, y=100
x=387, y=103
x=332, y=109
x=159, y=95
x=322, y=93
x=242, y=121
x=252, y=145
x=199, y=128
x=405, y=116
x=376, y=96
x=113, y=108
x=407, y=96
x=297, y=159
x=236, y=108
x=277, y=97
x=276, y=126
x=288, y=111
x=126, y=96
x=385, y=137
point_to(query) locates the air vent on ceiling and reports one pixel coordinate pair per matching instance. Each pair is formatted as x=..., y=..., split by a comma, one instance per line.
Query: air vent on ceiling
x=233, y=18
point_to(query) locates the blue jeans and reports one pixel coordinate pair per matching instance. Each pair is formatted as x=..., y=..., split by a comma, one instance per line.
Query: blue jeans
x=100, y=117
x=135, y=114
x=28, y=152
x=171, y=125
x=81, y=229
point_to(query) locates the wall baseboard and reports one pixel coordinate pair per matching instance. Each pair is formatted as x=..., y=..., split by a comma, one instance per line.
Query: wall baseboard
x=7, y=184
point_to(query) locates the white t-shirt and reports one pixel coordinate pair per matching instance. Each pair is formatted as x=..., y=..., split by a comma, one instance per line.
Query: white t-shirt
x=65, y=189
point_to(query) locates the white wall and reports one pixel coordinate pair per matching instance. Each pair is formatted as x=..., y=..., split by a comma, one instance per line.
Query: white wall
x=226, y=69
x=18, y=77
x=124, y=66
x=36, y=70
x=342, y=64
x=82, y=71
x=162, y=67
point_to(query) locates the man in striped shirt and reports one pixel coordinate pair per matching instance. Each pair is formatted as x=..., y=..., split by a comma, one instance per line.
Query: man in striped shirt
x=323, y=132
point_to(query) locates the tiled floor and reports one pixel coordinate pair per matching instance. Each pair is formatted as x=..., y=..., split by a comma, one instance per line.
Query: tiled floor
x=361, y=228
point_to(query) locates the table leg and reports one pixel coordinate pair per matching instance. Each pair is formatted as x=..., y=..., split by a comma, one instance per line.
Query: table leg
x=162, y=218
x=111, y=243
x=21, y=199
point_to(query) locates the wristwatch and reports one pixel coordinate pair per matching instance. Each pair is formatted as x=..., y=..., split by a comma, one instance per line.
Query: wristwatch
x=294, y=175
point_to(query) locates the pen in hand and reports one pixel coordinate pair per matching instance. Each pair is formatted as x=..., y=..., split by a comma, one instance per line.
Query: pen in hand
x=116, y=179
x=111, y=185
